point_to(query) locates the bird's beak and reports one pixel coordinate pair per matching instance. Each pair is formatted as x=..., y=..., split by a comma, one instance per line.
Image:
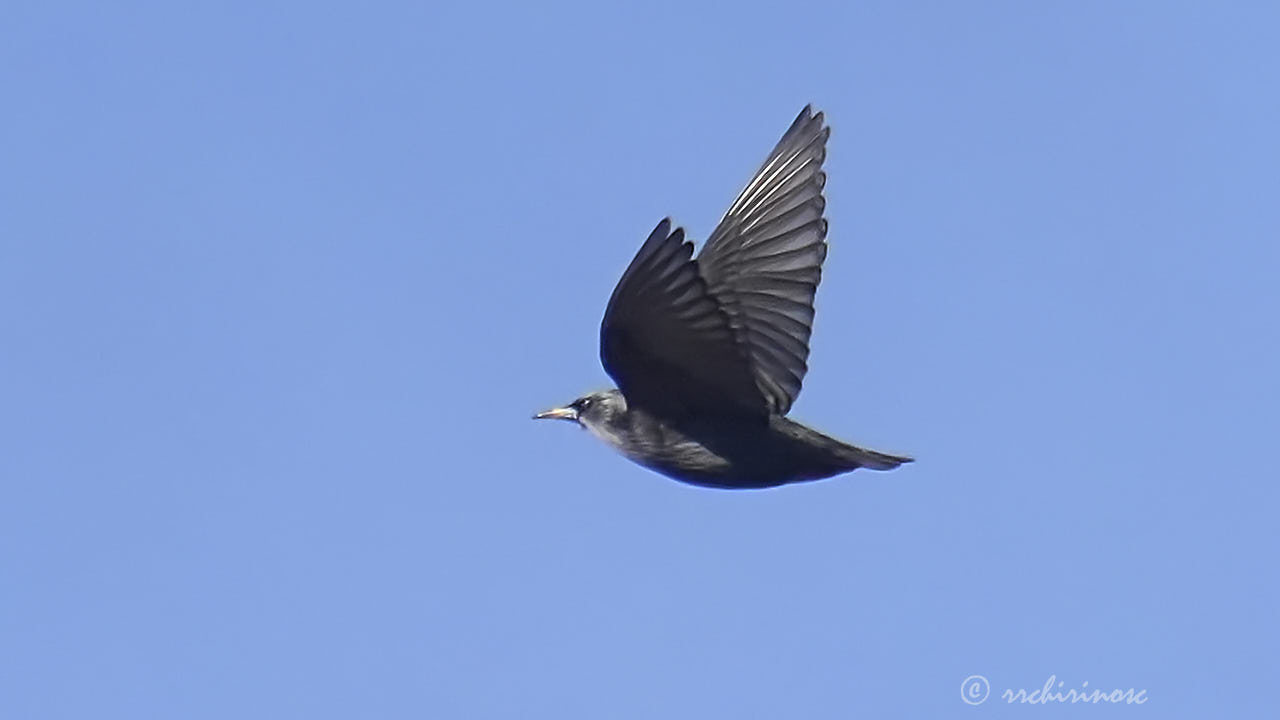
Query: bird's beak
x=562, y=413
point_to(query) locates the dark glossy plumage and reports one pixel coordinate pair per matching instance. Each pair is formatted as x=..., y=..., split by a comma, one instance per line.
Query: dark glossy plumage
x=710, y=353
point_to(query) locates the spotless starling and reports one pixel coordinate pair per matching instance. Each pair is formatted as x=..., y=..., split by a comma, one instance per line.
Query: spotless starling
x=709, y=352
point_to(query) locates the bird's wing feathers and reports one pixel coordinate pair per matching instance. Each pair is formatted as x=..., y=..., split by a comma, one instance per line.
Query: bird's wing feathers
x=764, y=260
x=668, y=343
x=728, y=333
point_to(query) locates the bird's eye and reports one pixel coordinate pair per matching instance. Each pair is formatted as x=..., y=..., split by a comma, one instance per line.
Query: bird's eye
x=584, y=403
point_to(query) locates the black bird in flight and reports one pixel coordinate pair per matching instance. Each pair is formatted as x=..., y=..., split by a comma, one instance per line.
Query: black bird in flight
x=709, y=352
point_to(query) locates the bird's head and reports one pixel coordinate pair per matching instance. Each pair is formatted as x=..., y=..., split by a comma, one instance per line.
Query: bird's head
x=595, y=409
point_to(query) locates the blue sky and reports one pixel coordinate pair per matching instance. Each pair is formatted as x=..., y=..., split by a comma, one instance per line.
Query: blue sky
x=282, y=282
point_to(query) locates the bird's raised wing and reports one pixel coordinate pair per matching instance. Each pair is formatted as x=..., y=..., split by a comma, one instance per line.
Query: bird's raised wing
x=667, y=342
x=763, y=262
x=728, y=333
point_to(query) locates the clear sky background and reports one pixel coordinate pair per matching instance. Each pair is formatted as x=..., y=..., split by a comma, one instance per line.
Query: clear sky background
x=281, y=284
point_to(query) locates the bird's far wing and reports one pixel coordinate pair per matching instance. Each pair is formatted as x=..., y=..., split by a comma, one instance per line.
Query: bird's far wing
x=763, y=262
x=668, y=343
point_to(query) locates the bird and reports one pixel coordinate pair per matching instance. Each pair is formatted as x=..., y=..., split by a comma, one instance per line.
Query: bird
x=709, y=352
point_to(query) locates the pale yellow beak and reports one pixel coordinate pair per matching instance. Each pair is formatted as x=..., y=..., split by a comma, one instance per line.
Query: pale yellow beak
x=562, y=413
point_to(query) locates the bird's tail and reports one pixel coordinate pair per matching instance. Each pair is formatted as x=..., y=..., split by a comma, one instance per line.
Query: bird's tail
x=839, y=456
x=870, y=458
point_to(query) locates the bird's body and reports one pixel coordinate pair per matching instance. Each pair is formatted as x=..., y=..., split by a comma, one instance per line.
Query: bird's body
x=723, y=452
x=710, y=353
